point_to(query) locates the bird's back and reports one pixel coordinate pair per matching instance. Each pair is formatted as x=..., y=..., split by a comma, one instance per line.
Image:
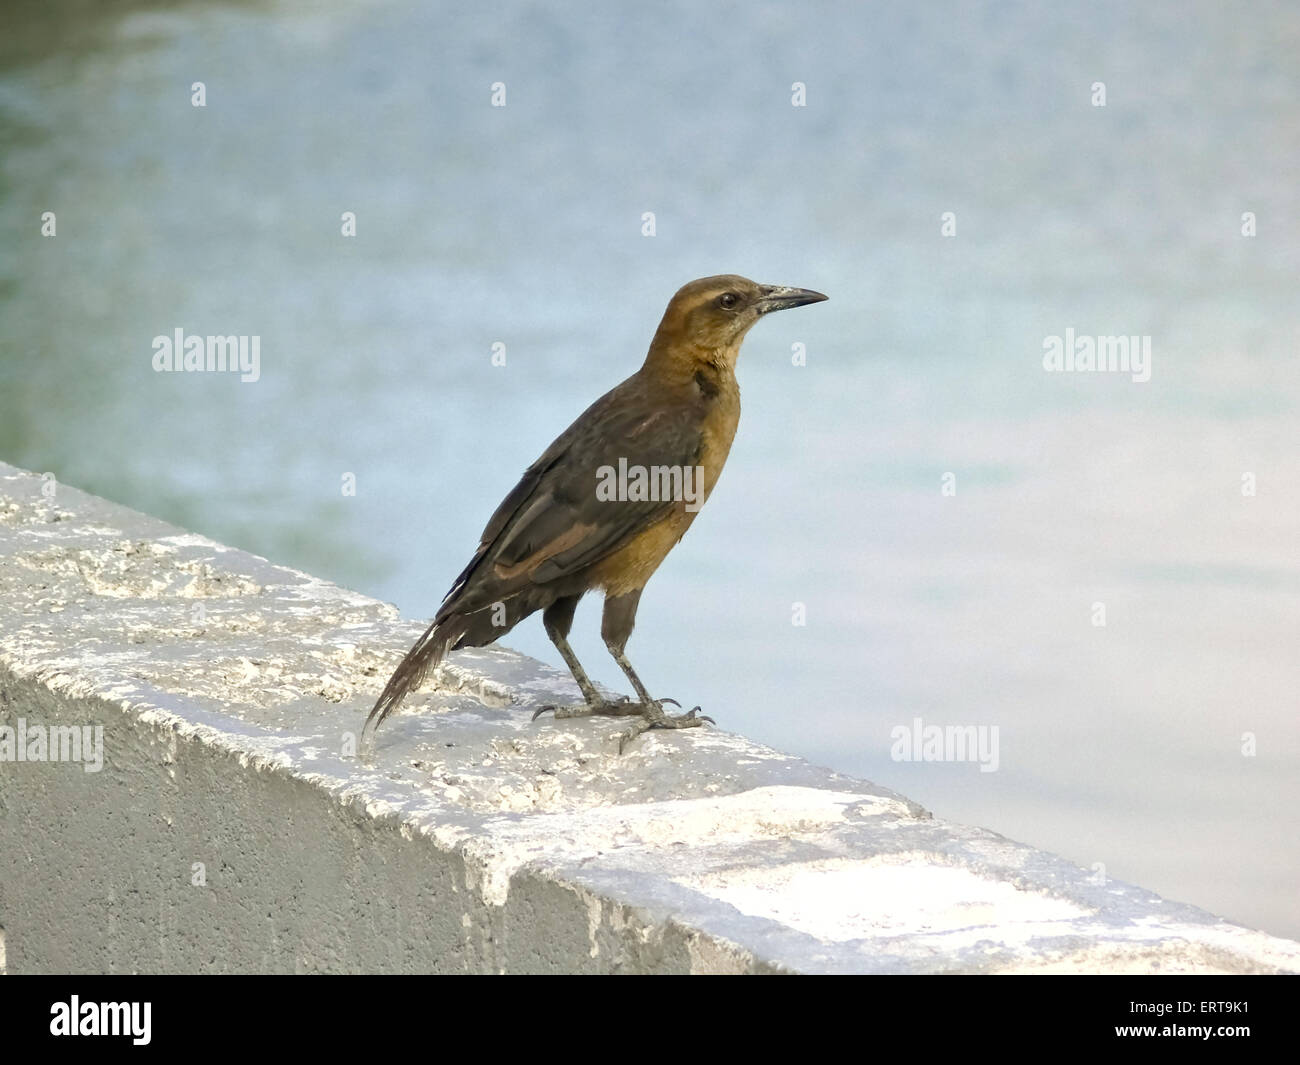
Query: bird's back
x=555, y=529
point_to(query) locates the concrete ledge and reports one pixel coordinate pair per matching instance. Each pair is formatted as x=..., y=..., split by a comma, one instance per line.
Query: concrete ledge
x=230, y=829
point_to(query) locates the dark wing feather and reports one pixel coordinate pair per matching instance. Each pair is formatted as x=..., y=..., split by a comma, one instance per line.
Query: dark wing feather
x=553, y=516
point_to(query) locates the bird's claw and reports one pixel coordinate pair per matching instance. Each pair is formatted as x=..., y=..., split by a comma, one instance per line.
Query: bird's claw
x=652, y=715
x=656, y=718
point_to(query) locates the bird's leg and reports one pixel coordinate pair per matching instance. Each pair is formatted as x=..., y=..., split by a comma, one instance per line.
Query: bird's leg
x=616, y=627
x=621, y=658
x=652, y=710
x=558, y=619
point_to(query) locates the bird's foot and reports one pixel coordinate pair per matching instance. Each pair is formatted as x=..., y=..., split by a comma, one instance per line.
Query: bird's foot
x=652, y=715
x=620, y=707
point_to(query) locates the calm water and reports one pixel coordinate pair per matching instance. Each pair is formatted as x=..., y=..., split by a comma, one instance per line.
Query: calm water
x=1119, y=744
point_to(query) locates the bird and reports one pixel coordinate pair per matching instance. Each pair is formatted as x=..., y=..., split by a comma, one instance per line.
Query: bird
x=605, y=503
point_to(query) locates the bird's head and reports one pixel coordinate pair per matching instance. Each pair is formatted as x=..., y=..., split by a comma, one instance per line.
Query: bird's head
x=712, y=315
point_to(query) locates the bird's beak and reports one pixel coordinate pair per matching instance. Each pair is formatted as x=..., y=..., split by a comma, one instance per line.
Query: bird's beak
x=781, y=297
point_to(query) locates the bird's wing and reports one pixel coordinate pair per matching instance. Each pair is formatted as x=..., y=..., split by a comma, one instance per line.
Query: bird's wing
x=553, y=524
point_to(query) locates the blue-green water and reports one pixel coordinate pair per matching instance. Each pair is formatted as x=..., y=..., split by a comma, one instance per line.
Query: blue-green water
x=1120, y=744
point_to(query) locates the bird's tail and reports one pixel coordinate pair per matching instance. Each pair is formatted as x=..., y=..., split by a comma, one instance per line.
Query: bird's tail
x=428, y=652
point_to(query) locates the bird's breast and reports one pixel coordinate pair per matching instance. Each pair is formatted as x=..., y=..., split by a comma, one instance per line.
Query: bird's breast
x=628, y=568
x=717, y=431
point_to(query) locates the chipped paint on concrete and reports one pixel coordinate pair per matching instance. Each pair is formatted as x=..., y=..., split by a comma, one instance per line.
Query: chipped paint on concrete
x=232, y=691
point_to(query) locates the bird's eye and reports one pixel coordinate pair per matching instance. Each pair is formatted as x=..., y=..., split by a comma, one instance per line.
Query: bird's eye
x=728, y=300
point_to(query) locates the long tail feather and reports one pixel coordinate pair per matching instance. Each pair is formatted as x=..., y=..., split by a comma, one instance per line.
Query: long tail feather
x=428, y=652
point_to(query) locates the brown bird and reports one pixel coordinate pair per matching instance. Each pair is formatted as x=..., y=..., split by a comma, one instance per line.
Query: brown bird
x=608, y=500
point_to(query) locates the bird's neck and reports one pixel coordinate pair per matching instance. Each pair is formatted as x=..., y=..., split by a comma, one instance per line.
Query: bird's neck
x=686, y=364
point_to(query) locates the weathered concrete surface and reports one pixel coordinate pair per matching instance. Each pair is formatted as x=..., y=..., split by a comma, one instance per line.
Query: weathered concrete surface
x=229, y=691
